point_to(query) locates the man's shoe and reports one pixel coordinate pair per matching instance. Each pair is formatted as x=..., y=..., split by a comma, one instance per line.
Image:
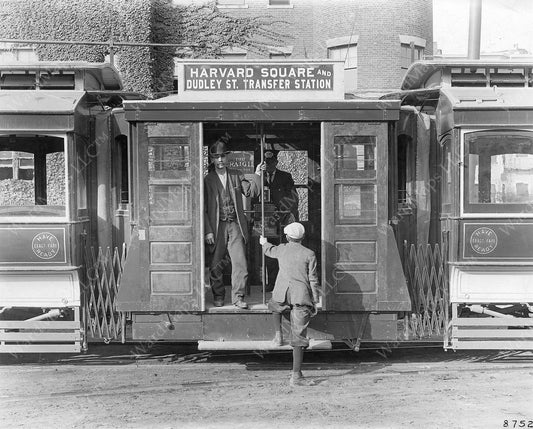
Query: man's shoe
x=241, y=304
x=218, y=303
x=278, y=339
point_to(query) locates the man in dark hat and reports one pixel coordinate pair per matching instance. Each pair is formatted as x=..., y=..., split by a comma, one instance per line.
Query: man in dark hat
x=226, y=228
x=281, y=185
x=284, y=196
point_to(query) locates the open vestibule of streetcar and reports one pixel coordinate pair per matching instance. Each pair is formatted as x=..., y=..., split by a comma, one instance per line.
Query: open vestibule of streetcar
x=337, y=153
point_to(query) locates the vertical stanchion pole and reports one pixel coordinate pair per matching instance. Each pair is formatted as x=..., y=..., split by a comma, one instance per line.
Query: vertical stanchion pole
x=263, y=268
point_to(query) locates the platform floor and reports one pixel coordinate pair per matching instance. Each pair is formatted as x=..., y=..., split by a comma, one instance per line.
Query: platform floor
x=255, y=301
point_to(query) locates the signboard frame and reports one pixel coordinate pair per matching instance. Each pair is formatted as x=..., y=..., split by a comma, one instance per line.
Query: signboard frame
x=260, y=80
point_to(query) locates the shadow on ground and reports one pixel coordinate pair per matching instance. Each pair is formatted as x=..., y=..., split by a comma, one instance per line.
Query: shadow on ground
x=340, y=357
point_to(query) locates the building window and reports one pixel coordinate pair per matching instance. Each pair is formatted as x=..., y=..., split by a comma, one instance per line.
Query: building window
x=279, y=3
x=231, y=4
x=234, y=54
x=411, y=50
x=345, y=49
x=236, y=57
x=16, y=165
x=10, y=52
x=409, y=54
x=278, y=56
x=348, y=54
x=280, y=52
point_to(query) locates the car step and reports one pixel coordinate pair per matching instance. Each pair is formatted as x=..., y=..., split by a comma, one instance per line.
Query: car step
x=259, y=345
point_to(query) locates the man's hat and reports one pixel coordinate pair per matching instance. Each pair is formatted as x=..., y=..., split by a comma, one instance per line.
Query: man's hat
x=294, y=230
x=271, y=156
x=219, y=148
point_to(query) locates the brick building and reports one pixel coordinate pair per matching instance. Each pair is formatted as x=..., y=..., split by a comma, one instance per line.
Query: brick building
x=378, y=39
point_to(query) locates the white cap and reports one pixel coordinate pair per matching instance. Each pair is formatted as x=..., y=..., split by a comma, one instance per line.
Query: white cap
x=294, y=230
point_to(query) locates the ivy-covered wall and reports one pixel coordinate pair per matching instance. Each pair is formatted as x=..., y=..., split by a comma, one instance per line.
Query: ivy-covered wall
x=144, y=69
x=85, y=20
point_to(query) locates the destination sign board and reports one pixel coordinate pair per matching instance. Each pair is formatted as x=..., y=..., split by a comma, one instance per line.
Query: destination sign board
x=254, y=77
x=252, y=80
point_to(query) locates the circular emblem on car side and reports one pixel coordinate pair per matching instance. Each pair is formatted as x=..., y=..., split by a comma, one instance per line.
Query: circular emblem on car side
x=45, y=245
x=483, y=240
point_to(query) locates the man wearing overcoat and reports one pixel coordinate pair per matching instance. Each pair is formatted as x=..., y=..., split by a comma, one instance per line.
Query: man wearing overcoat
x=226, y=225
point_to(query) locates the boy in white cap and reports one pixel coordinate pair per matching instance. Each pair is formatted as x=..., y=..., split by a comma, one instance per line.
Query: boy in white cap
x=296, y=289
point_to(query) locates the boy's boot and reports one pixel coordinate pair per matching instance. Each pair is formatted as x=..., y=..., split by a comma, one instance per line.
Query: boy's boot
x=278, y=339
x=297, y=379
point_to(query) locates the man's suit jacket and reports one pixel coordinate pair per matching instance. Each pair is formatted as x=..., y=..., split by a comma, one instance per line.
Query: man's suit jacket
x=297, y=273
x=283, y=193
x=238, y=185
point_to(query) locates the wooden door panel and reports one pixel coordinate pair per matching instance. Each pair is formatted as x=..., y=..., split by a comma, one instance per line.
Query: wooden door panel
x=169, y=214
x=354, y=229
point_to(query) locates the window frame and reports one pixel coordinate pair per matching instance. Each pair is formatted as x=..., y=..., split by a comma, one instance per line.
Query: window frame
x=280, y=52
x=351, y=72
x=287, y=5
x=467, y=212
x=238, y=4
x=234, y=54
x=412, y=44
x=7, y=218
x=347, y=42
x=419, y=54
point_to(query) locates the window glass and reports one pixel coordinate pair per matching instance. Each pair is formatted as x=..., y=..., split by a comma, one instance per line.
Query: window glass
x=27, y=55
x=57, y=80
x=409, y=54
x=10, y=52
x=446, y=182
x=170, y=204
x=230, y=2
x=347, y=53
x=32, y=178
x=169, y=158
x=403, y=167
x=169, y=170
x=234, y=56
x=17, y=81
x=279, y=2
x=279, y=56
x=81, y=171
x=355, y=204
x=497, y=172
x=124, y=179
x=355, y=157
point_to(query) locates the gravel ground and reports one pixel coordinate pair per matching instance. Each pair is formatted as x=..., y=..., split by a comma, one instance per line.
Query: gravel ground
x=179, y=387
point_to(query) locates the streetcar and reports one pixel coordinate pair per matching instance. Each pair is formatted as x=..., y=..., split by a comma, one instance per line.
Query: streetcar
x=63, y=190
x=468, y=189
x=416, y=203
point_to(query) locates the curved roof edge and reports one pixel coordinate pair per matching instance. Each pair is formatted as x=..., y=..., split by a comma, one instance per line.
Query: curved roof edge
x=419, y=72
x=105, y=72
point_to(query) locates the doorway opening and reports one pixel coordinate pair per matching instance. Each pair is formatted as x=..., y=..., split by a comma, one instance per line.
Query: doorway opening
x=297, y=149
